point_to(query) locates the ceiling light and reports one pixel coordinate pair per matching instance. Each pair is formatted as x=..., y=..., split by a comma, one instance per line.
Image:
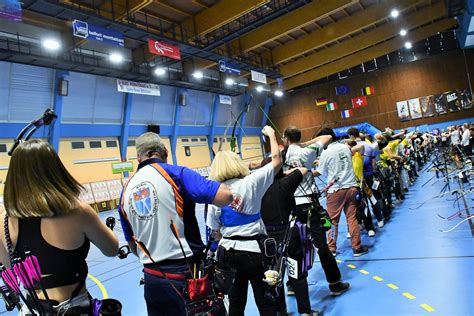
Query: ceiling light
x=160, y=71
x=229, y=81
x=51, y=44
x=408, y=45
x=259, y=89
x=403, y=32
x=395, y=13
x=278, y=93
x=198, y=74
x=116, y=58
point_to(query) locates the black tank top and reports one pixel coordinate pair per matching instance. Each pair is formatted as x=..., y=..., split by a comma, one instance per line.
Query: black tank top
x=63, y=267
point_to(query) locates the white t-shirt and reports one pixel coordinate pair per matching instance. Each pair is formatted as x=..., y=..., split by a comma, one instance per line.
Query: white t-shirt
x=455, y=138
x=297, y=156
x=465, y=137
x=248, y=193
x=336, y=163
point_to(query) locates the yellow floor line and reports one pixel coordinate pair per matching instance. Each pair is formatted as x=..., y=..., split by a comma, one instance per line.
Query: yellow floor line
x=427, y=307
x=377, y=278
x=100, y=285
x=338, y=260
x=364, y=272
x=392, y=286
x=409, y=296
x=351, y=266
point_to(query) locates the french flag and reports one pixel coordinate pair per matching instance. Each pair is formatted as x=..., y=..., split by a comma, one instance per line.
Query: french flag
x=347, y=114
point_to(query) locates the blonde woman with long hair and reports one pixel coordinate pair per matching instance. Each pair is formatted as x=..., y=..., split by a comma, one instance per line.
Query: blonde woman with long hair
x=43, y=214
x=241, y=226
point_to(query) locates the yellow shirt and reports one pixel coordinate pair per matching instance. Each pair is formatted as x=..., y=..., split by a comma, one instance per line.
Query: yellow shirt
x=358, y=165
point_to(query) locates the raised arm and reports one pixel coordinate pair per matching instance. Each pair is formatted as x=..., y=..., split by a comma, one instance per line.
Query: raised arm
x=324, y=139
x=276, y=155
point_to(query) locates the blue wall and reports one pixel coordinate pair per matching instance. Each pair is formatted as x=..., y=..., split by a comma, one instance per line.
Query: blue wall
x=94, y=107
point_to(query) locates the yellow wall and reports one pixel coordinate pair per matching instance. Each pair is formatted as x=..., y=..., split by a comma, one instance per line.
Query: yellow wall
x=251, y=148
x=199, y=157
x=94, y=171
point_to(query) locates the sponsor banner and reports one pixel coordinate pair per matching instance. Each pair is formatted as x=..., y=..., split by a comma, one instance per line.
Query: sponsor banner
x=343, y=89
x=359, y=102
x=225, y=66
x=119, y=167
x=10, y=10
x=225, y=99
x=163, y=49
x=428, y=106
x=415, y=108
x=258, y=77
x=96, y=33
x=403, y=112
x=138, y=87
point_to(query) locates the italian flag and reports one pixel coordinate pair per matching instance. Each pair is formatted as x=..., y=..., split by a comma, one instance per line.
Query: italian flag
x=347, y=114
x=331, y=106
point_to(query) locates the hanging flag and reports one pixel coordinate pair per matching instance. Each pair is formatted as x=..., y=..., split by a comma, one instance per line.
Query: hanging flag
x=321, y=101
x=163, y=49
x=359, y=102
x=343, y=89
x=347, y=114
x=369, y=90
x=331, y=106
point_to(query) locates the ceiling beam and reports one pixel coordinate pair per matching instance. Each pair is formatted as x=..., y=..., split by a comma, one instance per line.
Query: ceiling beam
x=220, y=14
x=369, y=54
x=122, y=8
x=290, y=22
x=342, y=28
x=364, y=40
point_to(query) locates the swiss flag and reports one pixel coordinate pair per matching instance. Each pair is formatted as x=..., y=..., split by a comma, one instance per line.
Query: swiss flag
x=359, y=102
x=163, y=49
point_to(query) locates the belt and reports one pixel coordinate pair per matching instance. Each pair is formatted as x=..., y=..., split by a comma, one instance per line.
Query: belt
x=274, y=228
x=166, y=275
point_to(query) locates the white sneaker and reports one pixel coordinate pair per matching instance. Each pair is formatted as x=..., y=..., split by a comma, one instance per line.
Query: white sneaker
x=371, y=233
x=380, y=223
x=348, y=235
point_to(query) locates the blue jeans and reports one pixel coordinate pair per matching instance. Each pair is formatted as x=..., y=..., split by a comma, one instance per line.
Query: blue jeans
x=161, y=298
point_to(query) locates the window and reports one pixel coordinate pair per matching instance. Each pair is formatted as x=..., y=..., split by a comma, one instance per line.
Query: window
x=95, y=144
x=3, y=148
x=77, y=145
x=111, y=143
x=131, y=143
x=194, y=139
x=202, y=139
x=215, y=139
x=185, y=140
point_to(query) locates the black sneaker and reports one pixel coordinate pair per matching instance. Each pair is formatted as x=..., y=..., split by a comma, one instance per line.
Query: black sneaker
x=361, y=251
x=339, y=288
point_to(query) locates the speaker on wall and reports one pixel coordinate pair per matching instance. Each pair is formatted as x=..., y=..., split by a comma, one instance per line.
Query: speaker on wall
x=154, y=129
x=182, y=99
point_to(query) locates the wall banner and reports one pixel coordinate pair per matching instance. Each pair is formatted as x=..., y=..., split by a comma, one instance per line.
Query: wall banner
x=403, y=112
x=258, y=77
x=415, y=108
x=225, y=66
x=96, y=33
x=138, y=87
x=225, y=99
x=10, y=10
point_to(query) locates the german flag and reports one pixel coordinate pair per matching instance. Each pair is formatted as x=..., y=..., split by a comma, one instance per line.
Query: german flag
x=321, y=101
x=369, y=90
